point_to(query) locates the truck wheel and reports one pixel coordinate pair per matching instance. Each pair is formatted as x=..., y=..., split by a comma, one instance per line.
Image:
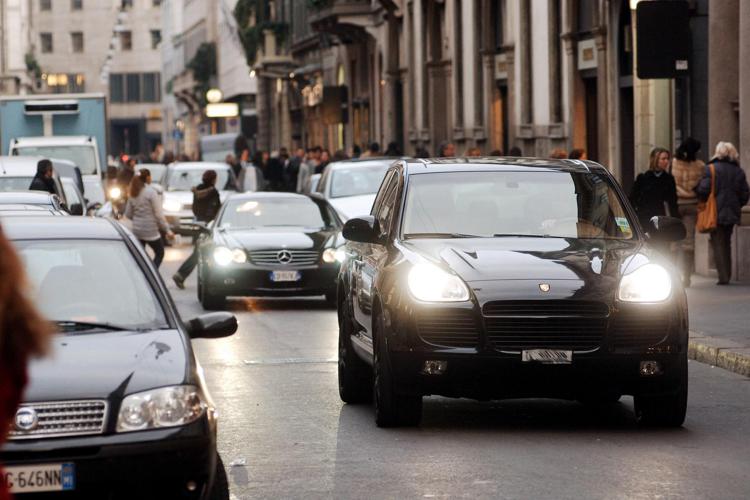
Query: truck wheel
x=663, y=410
x=220, y=488
x=391, y=409
x=355, y=377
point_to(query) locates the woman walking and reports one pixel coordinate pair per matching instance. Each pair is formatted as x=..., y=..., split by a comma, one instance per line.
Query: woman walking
x=654, y=192
x=732, y=192
x=144, y=209
x=687, y=171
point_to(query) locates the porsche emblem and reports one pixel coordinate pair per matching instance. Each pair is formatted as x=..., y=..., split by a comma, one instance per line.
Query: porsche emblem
x=544, y=287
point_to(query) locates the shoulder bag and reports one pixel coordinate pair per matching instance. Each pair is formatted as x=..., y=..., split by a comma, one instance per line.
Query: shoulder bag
x=707, y=212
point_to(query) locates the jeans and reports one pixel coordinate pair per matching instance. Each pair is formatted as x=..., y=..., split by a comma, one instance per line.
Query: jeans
x=187, y=267
x=721, y=240
x=158, y=247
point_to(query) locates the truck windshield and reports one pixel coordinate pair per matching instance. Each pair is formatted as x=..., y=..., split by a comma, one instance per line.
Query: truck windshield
x=83, y=156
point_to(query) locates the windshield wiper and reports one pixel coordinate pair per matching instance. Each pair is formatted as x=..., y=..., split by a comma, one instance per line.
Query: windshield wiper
x=517, y=235
x=70, y=325
x=440, y=235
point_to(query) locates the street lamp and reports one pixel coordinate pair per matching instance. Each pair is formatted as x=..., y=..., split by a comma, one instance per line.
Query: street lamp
x=214, y=95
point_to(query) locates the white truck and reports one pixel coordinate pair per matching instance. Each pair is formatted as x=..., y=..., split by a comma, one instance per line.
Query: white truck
x=64, y=126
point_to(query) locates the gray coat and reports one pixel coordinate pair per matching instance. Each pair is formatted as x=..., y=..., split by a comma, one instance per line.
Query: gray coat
x=732, y=191
x=146, y=213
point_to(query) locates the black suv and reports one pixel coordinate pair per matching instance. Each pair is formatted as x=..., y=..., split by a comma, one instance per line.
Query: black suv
x=506, y=278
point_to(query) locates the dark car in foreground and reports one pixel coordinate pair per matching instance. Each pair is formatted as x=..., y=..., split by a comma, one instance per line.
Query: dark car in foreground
x=507, y=278
x=270, y=244
x=119, y=408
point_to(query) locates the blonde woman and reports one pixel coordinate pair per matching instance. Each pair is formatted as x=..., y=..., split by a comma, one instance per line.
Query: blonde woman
x=732, y=192
x=654, y=192
x=687, y=171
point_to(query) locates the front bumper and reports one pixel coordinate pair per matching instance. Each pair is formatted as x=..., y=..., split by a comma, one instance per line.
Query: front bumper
x=148, y=464
x=250, y=280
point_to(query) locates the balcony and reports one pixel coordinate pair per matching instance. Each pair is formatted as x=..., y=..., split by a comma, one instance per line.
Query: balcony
x=346, y=19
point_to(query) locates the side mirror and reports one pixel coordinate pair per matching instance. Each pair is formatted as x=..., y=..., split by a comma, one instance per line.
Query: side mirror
x=76, y=209
x=365, y=229
x=212, y=326
x=667, y=229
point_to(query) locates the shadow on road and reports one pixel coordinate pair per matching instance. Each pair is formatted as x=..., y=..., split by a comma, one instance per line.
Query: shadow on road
x=258, y=304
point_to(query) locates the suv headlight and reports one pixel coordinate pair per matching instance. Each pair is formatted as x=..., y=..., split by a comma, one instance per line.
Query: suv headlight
x=171, y=206
x=429, y=283
x=648, y=283
x=331, y=255
x=224, y=256
x=165, y=407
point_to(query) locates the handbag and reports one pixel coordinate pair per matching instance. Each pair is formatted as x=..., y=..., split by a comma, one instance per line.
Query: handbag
x=707, y=212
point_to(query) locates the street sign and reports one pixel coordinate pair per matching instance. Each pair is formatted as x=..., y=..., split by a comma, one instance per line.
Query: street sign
x=662, y=39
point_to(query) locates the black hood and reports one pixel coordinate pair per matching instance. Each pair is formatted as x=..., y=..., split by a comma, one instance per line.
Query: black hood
x=513, y=258
x=293, y=238
x=100, y=365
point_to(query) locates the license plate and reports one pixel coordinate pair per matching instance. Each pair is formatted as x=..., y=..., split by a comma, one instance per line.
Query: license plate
x=37, y=478
x=277, y=276
x=548, y=356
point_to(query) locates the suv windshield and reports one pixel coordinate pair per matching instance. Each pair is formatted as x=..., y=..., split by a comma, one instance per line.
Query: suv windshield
x=83, y=156
x=184, y=179
x=539, y=203
x=358, y=180
x=90, y=281
x=301, y=212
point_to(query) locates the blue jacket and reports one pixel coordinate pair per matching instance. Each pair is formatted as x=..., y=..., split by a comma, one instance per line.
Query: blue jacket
x=732, y=191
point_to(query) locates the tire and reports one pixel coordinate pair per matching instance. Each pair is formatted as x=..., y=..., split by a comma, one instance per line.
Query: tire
x=664, y=410
x=391, y=409
x=355, y=376
x=220, y=488
x=209, y=301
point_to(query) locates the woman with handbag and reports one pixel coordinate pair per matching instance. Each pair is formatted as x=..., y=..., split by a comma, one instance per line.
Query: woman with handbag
x=725, y=181
x=687, y=171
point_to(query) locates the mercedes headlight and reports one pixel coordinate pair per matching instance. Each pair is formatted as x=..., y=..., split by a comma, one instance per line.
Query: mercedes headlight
x=648, y=283
x=115, y=193
x=429, y=283
x=171, y=206
x=331, y=255
x=165, y=407
x=224, y=256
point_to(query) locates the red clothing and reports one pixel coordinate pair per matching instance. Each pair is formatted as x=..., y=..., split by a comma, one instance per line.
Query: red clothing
x=12, y=382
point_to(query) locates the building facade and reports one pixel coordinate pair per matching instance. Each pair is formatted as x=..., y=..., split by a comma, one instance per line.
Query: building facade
x=17, y=64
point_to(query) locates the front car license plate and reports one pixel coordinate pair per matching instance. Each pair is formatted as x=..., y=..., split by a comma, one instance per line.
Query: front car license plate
x=40, y=477
x=548, y=356
x=277, y=276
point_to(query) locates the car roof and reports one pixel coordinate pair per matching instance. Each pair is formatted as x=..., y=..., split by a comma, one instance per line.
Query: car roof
x=57, y=228
x=26, y=198
x=497, y=163
x=59, y=140
x=18, y=165
x=259, y=195
x=199, y=165
x=361, y=162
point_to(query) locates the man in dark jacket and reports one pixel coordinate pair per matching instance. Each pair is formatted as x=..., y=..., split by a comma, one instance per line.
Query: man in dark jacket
x=43, y=179
x=732, y=193
x=206, y=204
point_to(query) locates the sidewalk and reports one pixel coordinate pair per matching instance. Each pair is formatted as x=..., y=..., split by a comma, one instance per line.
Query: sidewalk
x=720, y=324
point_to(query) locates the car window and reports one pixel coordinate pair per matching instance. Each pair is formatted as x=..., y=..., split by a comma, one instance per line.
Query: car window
x=185, y=179
x=542, y=203
x=356, y=181
x=70, y=192
x=15, y=183
x=381, y=192
x=67, y=283
x=387, y=207
x=274, y=212
x=83, y=156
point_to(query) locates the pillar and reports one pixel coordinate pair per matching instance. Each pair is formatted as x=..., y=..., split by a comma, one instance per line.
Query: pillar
x=723, y=72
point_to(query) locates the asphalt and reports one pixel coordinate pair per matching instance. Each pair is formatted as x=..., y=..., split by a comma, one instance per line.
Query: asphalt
x=720, y=324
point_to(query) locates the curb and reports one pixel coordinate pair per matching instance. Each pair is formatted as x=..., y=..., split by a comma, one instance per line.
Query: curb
x=723, y=353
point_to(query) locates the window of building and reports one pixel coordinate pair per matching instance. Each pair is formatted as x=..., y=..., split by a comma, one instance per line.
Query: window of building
x=134, y=87
x=126, y=4
x=126, y=40
x=157, y=3
x=45, y=4
x=46, y=42
x=76, y=4
x=155, y=38
x=151, y=87
x=76, y=39
x=116, y=88
x=62, y=83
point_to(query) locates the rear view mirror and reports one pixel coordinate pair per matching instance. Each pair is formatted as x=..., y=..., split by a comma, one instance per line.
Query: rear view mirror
x=212, y=326
x=365, y=229
x=667, y=229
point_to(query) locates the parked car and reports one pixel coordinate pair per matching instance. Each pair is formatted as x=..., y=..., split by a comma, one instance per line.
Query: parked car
x=17, y=172
x=119, y=409
x=270, y=244
x=350, y=185
x=181, y=178
x=41, y=199
x=509, y=278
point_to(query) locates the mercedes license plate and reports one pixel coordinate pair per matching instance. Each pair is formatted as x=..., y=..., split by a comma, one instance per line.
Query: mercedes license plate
x=548, y=356
x=40, y=477
x=277, y=276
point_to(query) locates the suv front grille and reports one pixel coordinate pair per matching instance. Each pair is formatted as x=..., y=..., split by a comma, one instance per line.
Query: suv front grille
x=62, y=418
x=639, y=330
x=271, y=257
x=515, y=325
x=448, y=328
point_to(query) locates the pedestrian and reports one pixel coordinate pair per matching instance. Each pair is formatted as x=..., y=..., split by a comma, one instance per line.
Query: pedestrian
x=558, y=154
x=206, y=204
x=340, y=155
x=306, y=170
x=515, y=152
x=43, y=180
x=372, y=151
x=577, y=154
x=145, y=212
x=654, y=192
x=732, y=193
x=292, y=169
x=393, y=149
x=233, y=164
x=168, y=158
x=275, y=173
x=421, y=152
x=325, y=159
x=473, y=152
x=446, y=150
x=687, y=171
x=356, y=151
x=23, y=334
x=126, y=174
x=496, y=152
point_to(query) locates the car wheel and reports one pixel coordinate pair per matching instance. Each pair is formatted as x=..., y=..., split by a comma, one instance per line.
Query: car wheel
x=663, y=410
x=391, y=409
x=220, y=488
x=355, y=377
x=212, y=302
